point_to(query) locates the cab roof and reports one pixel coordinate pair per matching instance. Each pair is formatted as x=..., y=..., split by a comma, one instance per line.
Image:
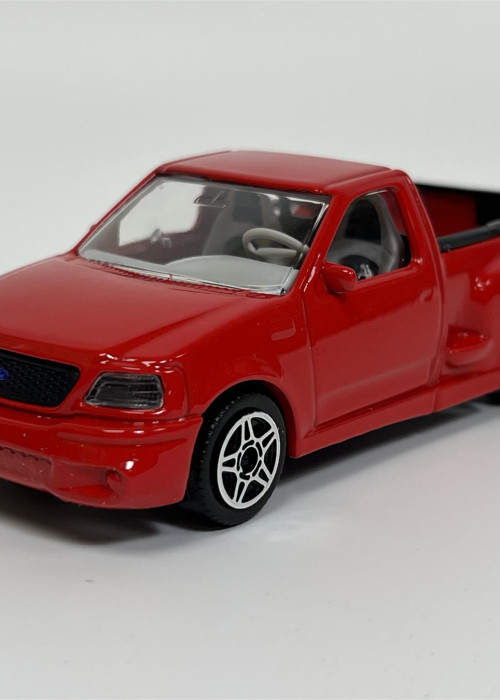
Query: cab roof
x=275, y=170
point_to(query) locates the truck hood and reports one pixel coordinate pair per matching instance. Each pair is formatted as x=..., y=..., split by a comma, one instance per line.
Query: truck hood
x=69, y=309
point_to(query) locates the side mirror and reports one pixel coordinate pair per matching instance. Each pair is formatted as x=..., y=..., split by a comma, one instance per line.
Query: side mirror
x=338, y=278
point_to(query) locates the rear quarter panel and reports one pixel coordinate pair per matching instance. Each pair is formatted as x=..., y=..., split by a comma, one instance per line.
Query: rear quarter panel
x=472, y=291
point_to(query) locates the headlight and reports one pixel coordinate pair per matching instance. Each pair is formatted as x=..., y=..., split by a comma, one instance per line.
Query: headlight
x=122, y=390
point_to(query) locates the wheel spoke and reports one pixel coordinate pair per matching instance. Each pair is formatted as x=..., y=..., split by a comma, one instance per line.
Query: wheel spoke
x=240, y=490
x=230, y=468
x=267, y=439
x=248, y=433
x=240, y=431
x=263, y=468
x=261, y=481
x=271, y=443
x=229, y=463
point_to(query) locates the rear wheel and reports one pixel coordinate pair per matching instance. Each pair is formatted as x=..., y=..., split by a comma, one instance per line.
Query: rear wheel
x=238, y=459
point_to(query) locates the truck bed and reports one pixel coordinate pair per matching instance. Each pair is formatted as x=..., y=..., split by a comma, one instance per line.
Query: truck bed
x=461, y=217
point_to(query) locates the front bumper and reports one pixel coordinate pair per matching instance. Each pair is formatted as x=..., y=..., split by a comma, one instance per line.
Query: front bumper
x=105, y=463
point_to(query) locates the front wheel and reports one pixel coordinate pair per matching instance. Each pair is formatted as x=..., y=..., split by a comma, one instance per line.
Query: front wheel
x=238, y=459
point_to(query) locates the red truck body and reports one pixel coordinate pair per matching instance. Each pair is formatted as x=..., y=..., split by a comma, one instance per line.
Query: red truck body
x=336, y=361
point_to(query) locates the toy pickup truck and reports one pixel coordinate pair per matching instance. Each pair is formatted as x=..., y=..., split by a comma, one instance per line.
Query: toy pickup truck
x=236, y=308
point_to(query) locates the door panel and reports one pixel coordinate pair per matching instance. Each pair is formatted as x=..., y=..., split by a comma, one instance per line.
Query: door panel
x=379, y=340
x=373, y=343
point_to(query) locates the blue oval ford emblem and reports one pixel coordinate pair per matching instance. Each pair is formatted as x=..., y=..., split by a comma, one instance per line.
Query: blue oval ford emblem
x=3, y=374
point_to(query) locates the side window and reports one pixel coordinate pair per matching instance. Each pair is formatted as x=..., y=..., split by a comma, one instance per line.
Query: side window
x=372, y=237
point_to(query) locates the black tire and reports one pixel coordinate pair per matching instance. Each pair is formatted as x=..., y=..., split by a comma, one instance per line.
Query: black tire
x=250, y=431
x=494, y=398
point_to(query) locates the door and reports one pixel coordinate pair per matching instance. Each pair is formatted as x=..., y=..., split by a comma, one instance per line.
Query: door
x=379, y=340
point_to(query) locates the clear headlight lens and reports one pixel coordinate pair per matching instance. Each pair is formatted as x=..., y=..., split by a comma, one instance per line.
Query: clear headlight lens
x=123, y=390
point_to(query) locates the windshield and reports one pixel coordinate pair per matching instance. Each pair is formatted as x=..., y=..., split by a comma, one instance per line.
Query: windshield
x=210, y=233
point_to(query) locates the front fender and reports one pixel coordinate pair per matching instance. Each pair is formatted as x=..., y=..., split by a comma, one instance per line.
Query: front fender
x=271, y=349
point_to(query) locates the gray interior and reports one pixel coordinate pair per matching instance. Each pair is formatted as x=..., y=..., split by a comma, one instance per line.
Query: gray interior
x=231, y=271
x=245, y=210
x=217, y=233
x=386, y=254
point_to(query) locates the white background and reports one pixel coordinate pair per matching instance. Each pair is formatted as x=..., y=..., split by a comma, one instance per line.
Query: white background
x=374, y=570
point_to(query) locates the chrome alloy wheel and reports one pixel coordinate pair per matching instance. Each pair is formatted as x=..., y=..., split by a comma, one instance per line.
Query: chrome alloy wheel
x=248, y=460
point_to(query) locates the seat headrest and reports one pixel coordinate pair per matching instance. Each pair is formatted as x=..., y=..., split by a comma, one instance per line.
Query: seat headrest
x=246, y=208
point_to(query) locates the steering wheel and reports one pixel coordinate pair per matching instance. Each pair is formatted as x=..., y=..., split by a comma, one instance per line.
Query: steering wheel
x=281, y=256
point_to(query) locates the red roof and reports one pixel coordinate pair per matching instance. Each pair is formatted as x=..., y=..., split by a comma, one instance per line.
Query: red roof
x=278, y=170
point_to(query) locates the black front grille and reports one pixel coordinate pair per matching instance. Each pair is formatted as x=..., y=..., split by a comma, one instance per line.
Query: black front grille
x=38, y=382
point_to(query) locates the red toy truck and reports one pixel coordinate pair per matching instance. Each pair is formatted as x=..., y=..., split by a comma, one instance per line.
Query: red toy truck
x=236, y=308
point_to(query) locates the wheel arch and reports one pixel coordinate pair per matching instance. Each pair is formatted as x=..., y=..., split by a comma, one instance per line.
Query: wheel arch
x=258, y=386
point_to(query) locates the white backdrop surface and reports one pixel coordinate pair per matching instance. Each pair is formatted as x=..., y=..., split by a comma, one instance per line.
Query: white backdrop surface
x=373, y=572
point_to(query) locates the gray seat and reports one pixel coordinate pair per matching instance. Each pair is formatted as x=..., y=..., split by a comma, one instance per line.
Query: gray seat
x=246, y=210
x=351, y=239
